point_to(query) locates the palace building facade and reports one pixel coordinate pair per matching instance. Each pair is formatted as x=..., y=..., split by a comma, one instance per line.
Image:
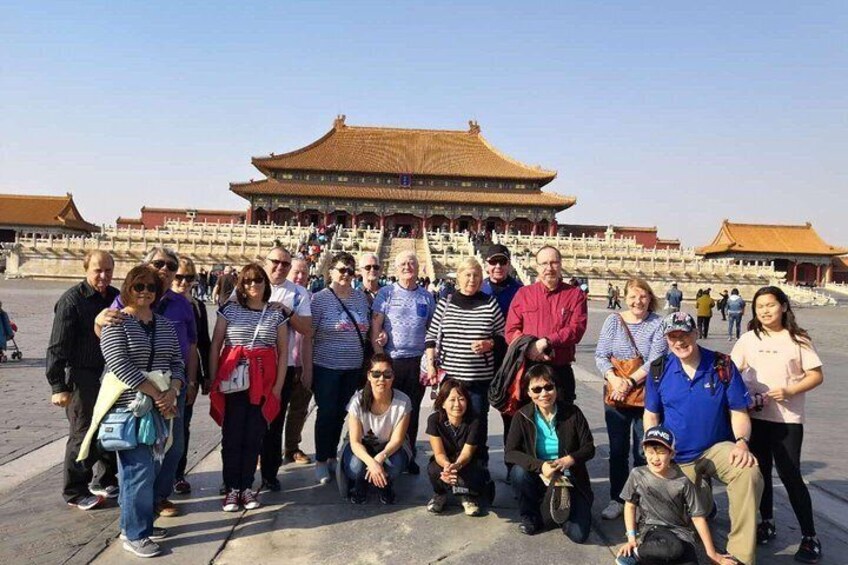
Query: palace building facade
x=410, y=179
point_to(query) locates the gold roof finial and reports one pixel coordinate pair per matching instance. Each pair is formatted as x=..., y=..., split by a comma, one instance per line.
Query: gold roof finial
x=339, y=122
x=473, y=127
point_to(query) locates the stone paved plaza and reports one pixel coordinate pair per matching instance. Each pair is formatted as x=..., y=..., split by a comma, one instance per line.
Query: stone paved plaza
x=311, y=524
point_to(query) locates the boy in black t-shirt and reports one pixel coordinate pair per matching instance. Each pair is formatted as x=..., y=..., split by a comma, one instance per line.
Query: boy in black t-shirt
x=666, y=500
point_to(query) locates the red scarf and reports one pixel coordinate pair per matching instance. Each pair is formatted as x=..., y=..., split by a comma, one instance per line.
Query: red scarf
x=263, y=373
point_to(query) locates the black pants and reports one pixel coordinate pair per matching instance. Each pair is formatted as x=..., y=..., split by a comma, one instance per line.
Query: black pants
x=407, y=373
x=661, y=546
x=100, y=467
x=531, y=492
x=242, y=432
x=704, y=326
x=272, y=444
x=473, y=476
x=564, y=379
x=781, y=443
x=181, y=465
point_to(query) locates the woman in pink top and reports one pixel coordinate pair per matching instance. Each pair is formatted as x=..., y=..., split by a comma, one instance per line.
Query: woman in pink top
x=779, y=365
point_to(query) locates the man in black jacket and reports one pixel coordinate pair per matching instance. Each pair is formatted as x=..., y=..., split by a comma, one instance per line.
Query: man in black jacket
x=74, y=367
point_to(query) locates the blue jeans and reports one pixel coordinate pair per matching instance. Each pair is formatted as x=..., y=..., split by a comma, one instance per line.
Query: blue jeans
x=333, y=390
x=734, y=319
x=355, y=469
x=478, y=391
x=136, y=475
x=622, y=425
x=168, y=472
x=530, y=491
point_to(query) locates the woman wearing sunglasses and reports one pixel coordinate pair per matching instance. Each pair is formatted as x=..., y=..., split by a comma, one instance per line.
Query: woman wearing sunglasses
x=340, y=322
x=177, y=309
x=184, y=283
x=144, y=342
x=550, y=441
x=252, y=334
x=378, y=450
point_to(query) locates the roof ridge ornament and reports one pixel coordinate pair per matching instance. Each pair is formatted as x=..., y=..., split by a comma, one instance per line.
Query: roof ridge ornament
x=473, y=127
x=339, y=122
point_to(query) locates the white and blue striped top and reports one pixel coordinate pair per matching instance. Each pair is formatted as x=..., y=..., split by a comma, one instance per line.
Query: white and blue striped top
x=336, y=344
x=614, y=342
x=242, y=321
x=127, y=352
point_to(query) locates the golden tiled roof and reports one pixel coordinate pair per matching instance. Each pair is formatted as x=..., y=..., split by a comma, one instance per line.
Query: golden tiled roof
x=42, y=211
x=769, y=239
x=133, y=221
x=424, y=152
x=183, y=211
x=429, y=195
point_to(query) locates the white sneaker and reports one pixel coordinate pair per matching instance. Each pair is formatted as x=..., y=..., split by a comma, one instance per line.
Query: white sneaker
x=322, y=473
x=613, y=510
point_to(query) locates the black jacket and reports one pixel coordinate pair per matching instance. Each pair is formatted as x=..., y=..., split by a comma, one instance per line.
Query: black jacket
x=575, y=439
x=512, y=361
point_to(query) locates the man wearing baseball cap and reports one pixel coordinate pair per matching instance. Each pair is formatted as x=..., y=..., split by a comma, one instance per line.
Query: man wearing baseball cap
x=699, y=396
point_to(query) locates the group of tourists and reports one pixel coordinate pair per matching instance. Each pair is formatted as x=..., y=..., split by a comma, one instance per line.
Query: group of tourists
x=128, y=364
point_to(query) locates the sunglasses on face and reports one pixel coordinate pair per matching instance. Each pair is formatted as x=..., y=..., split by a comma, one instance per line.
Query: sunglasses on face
x=257, y=281
x=345, y=271
x=371, y=267
x=186, y=278
x=498, y=261
x=170, y=265
x=385, y=375
x=278, y=262
x=141, y=287
x=538, y=389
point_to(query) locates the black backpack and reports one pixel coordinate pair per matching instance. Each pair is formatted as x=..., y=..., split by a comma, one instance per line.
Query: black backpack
x=722, y=366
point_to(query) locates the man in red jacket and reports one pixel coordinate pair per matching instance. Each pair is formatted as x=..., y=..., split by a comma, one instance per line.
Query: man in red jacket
x=556, y=314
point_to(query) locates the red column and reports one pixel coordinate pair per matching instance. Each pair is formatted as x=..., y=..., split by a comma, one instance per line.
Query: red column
x=423, y=225
x=382, y=222
x=818, y=275
x=353, y=221
x=794, y=273
x=534, y=228
x=326, y=218
x=452, y=225
x=480, y=224
x=552, y=230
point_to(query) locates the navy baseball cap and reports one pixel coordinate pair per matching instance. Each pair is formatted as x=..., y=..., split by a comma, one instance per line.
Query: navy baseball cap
x=660, y=435
x=678, y=322
x=497, y=250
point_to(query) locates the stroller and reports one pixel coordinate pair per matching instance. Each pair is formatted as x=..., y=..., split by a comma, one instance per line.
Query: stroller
x=17, y=354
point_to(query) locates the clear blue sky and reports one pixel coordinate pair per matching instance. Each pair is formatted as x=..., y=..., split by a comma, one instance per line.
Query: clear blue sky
x=674, y=114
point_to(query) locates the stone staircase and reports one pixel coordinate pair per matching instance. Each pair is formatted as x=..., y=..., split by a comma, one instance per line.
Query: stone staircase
x=395, y=246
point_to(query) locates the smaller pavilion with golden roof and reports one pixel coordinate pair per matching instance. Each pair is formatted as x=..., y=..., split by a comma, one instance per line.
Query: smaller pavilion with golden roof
x=43, y=215
x=413, y=179
x=795, y=249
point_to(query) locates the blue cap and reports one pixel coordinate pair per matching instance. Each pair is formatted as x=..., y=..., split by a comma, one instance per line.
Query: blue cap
x=660, y=435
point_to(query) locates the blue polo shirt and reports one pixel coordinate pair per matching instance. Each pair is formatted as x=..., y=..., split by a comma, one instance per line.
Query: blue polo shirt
x=697, y=411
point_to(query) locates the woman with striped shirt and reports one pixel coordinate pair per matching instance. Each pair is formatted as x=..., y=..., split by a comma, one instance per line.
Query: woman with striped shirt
x=340, y=321
x=644, y=325
x=465, y=329
x=144, y=342
x=251, y=332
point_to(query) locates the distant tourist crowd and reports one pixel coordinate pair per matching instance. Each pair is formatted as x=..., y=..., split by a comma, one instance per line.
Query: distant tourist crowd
x=127, y=365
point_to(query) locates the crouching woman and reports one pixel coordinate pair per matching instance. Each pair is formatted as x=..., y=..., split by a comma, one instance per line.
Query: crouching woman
x=549, y=443
x=378, y=417
x=455, y=433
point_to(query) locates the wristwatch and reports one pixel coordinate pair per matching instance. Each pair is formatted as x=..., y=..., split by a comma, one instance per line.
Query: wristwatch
x=746, y=440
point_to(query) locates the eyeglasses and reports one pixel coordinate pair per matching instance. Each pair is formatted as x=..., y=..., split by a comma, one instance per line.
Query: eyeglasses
x=385, y=375
x=345, y=271
x=538, y=389
x=186, y=278
x=371, y=267
x=257, y=281
x=278, y=262
x=497, y=261
x=170, y=265
x=141, y=287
